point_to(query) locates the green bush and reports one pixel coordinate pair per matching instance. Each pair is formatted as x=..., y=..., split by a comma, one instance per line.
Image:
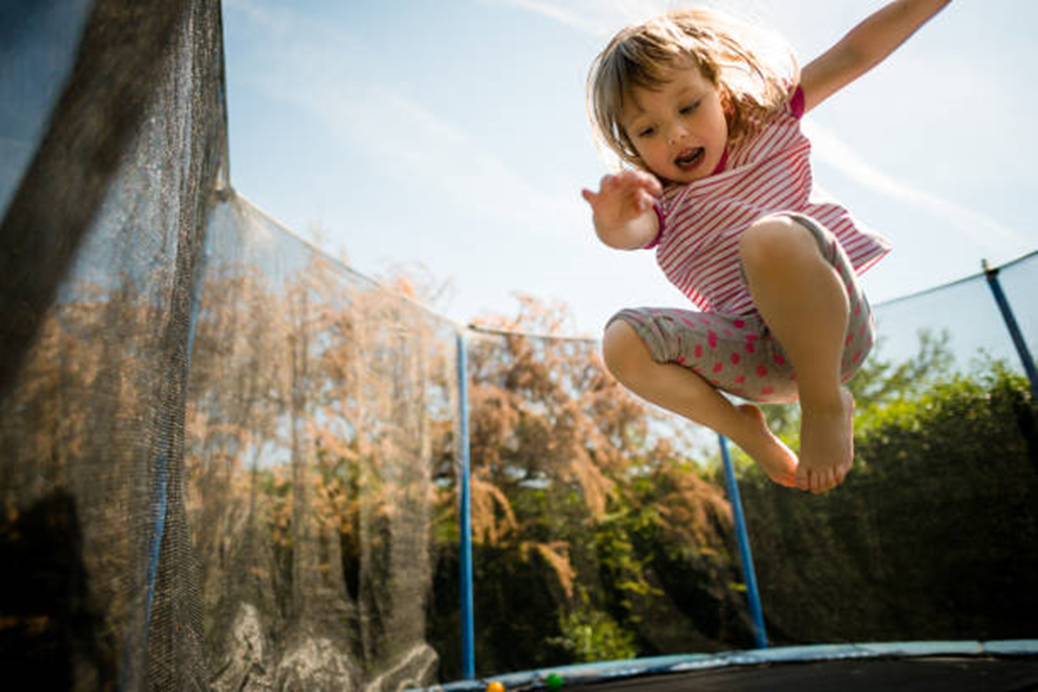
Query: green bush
x=934, y=535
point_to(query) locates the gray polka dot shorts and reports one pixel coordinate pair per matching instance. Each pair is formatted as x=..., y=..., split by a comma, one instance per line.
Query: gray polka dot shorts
x=737, y=353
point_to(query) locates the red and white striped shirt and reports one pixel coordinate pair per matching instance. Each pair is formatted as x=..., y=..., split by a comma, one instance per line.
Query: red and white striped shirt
x=769, y=171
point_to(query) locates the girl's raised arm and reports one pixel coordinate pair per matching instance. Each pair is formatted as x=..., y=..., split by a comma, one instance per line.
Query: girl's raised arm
x=864, y=47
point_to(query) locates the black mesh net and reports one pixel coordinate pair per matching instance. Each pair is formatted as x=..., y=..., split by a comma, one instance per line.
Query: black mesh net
x=966, y=316
x=260, y=523
x=934, y=532
x=318, y=405
x=107, y=191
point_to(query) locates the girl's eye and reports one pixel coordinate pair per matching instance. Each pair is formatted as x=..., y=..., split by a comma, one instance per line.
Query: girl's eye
x=689, y=108
x=646, y=131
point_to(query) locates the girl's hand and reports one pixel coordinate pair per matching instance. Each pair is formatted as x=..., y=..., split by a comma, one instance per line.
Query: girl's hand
x=623, y=196
x=622, y=208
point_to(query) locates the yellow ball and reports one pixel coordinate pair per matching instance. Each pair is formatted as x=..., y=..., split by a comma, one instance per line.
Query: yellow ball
x=495, y=686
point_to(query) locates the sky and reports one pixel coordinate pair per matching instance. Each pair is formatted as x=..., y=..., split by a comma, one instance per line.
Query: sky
x=448, y=139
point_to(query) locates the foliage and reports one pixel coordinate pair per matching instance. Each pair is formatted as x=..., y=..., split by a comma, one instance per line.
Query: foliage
x=577, y=482
x=590, y=635
x=933, y=534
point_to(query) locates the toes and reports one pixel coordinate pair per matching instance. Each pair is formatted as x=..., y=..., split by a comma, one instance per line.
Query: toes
x=841, y=473
x=820, y=481
x=824, y=480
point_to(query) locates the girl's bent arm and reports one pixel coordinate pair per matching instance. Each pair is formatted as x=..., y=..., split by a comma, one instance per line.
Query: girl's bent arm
x=864, y=47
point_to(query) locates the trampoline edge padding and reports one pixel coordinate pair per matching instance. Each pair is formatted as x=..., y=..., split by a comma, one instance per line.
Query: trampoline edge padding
x=613, y=670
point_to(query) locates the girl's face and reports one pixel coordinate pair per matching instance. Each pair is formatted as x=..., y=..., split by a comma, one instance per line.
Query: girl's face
x=679, y=130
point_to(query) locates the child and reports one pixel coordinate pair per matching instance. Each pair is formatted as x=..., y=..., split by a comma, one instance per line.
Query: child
x=721, y=187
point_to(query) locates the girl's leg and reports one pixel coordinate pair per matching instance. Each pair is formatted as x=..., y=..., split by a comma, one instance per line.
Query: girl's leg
x=805, y=305
x=682, y=391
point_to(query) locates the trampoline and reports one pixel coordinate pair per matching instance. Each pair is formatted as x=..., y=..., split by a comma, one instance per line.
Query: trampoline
x=1005, y=666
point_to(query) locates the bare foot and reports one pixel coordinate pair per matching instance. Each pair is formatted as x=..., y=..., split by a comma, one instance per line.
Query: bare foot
x=826, y=445
x=769, y=452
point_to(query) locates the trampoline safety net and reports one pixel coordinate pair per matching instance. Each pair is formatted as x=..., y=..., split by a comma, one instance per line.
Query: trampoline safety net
x=231, y=463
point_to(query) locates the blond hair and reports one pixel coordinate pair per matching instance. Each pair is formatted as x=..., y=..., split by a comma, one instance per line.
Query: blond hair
x=752, y=80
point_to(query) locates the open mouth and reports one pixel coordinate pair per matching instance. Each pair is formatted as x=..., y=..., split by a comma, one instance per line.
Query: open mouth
x=690, y=158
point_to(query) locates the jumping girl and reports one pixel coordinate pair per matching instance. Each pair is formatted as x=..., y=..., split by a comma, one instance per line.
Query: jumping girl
x=719, y=183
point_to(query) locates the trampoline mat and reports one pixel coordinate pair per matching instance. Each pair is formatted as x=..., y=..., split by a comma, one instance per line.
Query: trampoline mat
x=939, y=674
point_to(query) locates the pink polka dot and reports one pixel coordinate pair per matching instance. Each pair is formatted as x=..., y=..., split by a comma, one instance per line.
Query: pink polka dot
x=705, y=321
x=862, y=330
x=750, y=347
x=761, y=371
x=767, y=390
x=739, y=324
x=711, y=338
x=728, y=332
x=680, y=360
x=752, y=337
x=793, y=377
x=857, y=310
x=688, y=322
x=857, y=357
x=848, y=340
x=736, y=358
x=718, y=367
x=740, y=379
x=779, y=359
x=699, y=351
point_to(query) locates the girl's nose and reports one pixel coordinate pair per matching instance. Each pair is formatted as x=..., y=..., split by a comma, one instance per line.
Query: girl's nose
x=676, y=133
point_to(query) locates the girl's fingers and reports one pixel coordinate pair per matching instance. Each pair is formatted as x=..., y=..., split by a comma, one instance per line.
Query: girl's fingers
x=634, y=188
x=631, y=180
x=640, y=179
x=645, y=201
x=650, y=183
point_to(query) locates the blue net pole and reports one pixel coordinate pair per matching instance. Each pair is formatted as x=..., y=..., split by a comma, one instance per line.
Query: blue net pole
x=1012, y=326
x=760, y=635
x=468, y=655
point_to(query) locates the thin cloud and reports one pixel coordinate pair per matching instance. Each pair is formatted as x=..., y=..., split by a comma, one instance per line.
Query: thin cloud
x=604, y=18
x=274, y=20
x=308, y=68
x=584, y=17
x=593, y=17
x=972, y=224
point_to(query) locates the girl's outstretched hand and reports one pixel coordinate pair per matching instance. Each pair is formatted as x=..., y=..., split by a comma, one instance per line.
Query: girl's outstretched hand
x=623, y=196
x=622, y=208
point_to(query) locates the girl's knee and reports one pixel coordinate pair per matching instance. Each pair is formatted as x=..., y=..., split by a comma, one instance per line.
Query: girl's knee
x=622, y=349
x=774, y=238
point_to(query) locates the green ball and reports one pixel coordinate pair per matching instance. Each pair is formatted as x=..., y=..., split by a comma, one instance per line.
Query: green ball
x=554, y=681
